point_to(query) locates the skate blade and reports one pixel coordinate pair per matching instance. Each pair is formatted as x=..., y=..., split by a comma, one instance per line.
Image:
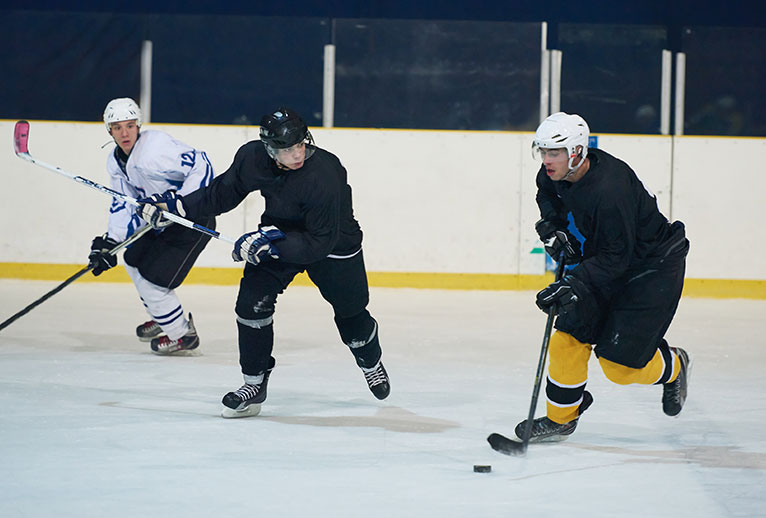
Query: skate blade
x=249, y=411
x=179, y=352
x=549, y=439
x=544, y=439
x=688, y=379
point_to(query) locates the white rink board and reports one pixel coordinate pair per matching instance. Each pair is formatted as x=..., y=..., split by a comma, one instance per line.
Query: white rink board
x=428, y=201
x=719, y=193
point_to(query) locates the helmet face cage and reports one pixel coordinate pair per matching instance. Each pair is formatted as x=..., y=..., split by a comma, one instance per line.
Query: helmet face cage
x=562, y=130
x=123, y=109
x=283, y=129
x=274, y=151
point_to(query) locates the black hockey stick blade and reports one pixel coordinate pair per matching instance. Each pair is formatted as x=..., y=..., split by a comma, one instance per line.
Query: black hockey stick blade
x=502, y=444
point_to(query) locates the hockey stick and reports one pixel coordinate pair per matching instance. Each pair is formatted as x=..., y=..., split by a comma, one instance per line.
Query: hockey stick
x=503, y=444
x=143, y=230
x=21, y=147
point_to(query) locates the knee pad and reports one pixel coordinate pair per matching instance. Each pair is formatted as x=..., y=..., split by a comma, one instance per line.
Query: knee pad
x=357, y=330
x=615, y=372
x=623, y=375
x=256, y=313
x=657, y=371
x=568, y=359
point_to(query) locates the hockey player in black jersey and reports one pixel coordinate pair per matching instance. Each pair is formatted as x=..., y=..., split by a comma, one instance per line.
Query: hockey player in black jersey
x=620, y=299
x=308, y=225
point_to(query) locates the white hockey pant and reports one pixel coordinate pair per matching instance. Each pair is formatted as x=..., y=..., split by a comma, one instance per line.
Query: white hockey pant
x=162, y=304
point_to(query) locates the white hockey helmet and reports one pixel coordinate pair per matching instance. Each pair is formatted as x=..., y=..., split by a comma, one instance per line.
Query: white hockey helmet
x=562, y=130
x=122, y=109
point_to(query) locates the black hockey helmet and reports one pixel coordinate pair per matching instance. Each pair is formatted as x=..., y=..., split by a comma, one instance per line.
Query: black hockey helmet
x=283, y=129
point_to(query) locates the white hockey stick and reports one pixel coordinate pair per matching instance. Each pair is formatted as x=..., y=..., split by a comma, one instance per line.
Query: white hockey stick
x=21, y=147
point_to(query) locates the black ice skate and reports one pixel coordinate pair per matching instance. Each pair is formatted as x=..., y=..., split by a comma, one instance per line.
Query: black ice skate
x=246, y=400
x=377, y=380
x=674, y=393
x=545, y=430
x=164, y=345
x=148, y=331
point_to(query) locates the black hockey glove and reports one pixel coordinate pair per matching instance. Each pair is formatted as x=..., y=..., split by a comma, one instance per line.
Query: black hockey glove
x=556, y=239
x=254, y=247
x=563, y=294
x=168, y=201
x=100, y=258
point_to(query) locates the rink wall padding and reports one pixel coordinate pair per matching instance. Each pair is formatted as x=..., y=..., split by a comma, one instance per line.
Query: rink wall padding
x=439, y=209
x=709, y=288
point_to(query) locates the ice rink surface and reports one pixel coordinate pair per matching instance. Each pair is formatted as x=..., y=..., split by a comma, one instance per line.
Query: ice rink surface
x=93, y=424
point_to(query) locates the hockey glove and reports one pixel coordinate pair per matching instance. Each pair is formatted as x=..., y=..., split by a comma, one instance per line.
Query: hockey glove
x=254, y=247
x=556, y=239
x=150, y=209
x=99, y=258
x=563, y=294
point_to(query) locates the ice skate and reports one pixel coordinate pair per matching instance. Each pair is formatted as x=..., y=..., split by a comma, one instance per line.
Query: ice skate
x=246, y=400
x=147, y=331
x=188, y=342
x=377, y=381
x=545, y=430
x=674, y=393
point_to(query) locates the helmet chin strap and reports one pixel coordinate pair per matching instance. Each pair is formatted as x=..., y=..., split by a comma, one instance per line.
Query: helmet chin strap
x=573, y=170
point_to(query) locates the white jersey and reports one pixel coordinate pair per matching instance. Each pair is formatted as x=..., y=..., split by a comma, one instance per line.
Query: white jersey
x=156, y=164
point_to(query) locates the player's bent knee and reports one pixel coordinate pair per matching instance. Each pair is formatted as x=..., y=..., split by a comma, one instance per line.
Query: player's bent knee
x=357, y=329
x=564, y=344
x=619, y=374
x=248, y=308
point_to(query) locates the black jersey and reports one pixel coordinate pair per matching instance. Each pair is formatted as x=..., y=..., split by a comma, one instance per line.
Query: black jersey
x=623, y=228
x=311, y=205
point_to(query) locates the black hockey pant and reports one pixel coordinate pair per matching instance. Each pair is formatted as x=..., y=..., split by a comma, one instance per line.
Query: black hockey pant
x=629, y=328
x=630, y=346
x=342, y=283
x=165, y=258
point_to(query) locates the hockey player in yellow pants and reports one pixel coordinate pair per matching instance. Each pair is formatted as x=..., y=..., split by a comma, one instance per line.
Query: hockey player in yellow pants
x=568, y=374
x=620, y=298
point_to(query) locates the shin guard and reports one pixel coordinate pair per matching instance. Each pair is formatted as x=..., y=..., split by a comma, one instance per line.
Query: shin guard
x=567, y=376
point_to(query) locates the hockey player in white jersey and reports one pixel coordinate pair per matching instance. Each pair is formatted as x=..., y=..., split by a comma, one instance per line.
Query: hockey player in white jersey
x=151, y=164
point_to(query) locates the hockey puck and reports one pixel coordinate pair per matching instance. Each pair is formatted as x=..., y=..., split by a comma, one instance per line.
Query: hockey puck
x=480, y=468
